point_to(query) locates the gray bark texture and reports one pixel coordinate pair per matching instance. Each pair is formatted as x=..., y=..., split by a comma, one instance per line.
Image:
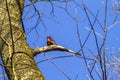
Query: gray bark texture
x=17, y=56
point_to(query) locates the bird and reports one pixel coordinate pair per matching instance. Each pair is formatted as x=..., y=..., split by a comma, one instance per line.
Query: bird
x=50, y=41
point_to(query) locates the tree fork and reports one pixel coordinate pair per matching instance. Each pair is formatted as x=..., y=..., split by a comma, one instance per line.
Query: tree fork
x=16, y=54
x=19, y=59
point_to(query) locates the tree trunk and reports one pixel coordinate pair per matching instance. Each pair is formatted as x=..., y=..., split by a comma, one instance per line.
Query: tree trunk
x=17, y=56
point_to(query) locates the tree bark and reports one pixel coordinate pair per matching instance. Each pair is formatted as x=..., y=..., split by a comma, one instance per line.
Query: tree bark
x=17, y=56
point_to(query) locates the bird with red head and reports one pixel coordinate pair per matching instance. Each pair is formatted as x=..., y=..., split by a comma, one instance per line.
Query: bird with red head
x=50, y=41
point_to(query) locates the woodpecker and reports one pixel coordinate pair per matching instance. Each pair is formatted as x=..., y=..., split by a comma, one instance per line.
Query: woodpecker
x=50, y=41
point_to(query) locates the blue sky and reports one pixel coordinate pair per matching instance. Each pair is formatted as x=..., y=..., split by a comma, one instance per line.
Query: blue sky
x=62, y=28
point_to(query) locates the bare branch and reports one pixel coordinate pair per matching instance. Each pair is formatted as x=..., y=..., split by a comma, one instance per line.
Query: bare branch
x=55, y=48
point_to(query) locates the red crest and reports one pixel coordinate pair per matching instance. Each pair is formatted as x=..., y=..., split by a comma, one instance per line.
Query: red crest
x=50, y=41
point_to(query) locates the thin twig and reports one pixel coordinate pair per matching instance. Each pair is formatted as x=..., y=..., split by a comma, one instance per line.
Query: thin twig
x=58, y=67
